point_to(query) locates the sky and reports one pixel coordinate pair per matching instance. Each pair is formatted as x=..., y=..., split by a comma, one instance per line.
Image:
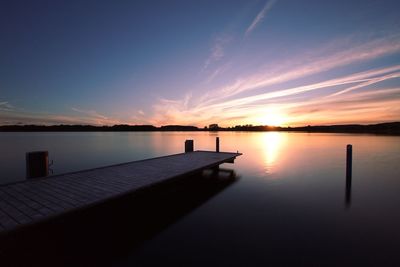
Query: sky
x=274, y=62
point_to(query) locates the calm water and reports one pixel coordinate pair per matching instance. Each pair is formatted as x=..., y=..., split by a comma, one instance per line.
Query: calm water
x=288, y=204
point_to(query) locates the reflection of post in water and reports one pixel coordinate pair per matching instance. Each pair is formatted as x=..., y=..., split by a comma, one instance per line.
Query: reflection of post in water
x=349, y=159
x=104, y=232
x=348, y=191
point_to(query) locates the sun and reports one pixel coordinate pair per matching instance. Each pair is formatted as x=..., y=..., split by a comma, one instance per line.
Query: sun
x=272, y=119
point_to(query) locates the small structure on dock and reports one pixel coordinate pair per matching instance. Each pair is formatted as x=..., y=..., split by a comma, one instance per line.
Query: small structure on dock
x=37, y=164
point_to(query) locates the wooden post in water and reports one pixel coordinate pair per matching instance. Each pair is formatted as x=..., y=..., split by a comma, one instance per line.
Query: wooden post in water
x=349, y=161
x=189, y=146
x=217, y=144
x=37, y=164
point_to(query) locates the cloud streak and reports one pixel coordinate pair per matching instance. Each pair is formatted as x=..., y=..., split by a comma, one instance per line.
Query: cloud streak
x=217, y=51
x=89, y=117
x=368, y=82
x=273, y=90
x=244, y=99
x=93, y=117
x=260, y=16
x=306, y=66
x=279, y=102
x=91, y=113
x=6, y=106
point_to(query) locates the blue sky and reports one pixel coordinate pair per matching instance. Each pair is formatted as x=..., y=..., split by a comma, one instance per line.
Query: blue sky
x=276, y=62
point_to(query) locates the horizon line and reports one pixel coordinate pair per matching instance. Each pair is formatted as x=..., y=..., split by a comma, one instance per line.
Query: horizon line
x=205, y=127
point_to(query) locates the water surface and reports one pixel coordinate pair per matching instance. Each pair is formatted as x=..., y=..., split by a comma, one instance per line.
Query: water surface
x=288, y=206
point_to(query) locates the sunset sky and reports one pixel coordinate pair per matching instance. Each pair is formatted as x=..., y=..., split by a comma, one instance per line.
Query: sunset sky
x=275, y=62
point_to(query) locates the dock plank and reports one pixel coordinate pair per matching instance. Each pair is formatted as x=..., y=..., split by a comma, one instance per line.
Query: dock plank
x=14, y=213
x=62, y=190
x=6, y=221
x=77, y=189
x=71, y=193
x=35, y=200
x=31, y=203
x=20, y=205
x=38, y=190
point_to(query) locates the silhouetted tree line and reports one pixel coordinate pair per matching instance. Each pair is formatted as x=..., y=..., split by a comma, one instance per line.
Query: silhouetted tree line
x=178, y=128
x=76, y=128
x=381, y=128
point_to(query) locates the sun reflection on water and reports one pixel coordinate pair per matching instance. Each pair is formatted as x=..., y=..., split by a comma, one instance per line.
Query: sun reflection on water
x=272, y=143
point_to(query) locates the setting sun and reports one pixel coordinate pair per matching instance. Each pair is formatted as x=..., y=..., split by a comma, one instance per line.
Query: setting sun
x=272, y=119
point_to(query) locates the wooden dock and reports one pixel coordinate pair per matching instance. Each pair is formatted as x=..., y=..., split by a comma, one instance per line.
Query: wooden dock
x=35, y=200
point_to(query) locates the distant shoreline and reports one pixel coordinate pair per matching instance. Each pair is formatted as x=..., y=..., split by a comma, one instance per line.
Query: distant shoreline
x=391, y=128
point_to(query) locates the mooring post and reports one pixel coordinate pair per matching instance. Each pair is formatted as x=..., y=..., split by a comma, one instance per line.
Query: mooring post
x=217, y=144
x=189, y=146
x=37, y=164
x=349, y=159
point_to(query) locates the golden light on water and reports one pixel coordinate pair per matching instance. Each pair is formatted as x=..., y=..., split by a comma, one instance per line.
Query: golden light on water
x=272, y=143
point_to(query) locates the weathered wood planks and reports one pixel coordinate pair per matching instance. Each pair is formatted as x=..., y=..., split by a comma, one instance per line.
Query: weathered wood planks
x=34, y=200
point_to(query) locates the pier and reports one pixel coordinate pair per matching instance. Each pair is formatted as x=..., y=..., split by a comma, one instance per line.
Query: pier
x=35, y=200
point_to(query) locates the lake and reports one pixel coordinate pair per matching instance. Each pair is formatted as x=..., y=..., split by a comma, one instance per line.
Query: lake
x=288, y=204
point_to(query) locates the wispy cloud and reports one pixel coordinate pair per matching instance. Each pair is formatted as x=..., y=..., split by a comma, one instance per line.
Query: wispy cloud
x=91, y=113
x=251, y=96
x=368, y=82
x=362, y=79
x=277, y=101
x=6, y=106
x=139, y=117
x=37, y=118
x=93, y=117
x=172, y=111
x=217, y=50
x=305, y=66
x=272, y=89
x=217, y=72
x=260, y=16
x=381, y=105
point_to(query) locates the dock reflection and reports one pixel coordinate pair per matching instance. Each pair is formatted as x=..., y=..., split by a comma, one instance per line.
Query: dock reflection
x=102, y=234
